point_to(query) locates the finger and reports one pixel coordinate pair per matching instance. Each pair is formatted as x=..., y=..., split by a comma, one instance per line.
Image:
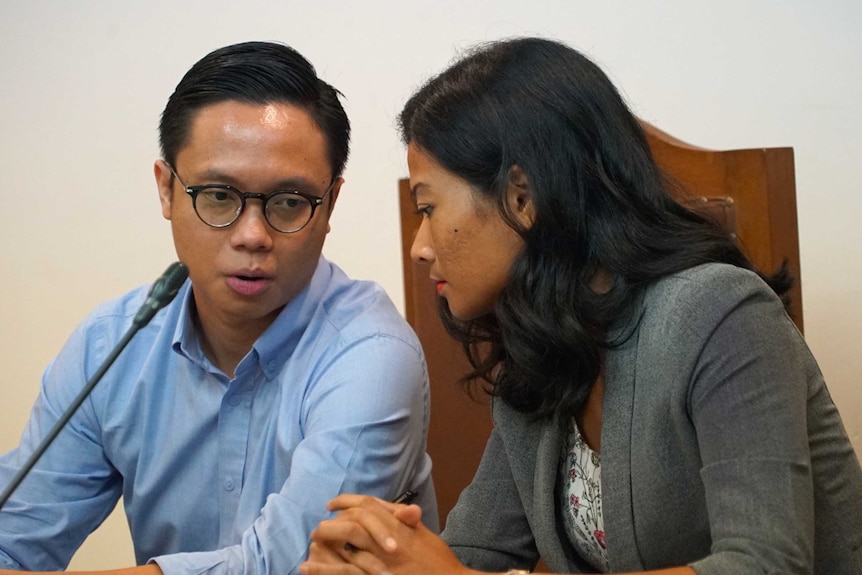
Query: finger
x=348, y=500
x=367, y=562
x=325, y=555
x=410, y=515
x=364, y=560
x=369, y=515
x=342, y=533
x=313, y=568
x=318, y=553
x=356, y=524
x=376, y=519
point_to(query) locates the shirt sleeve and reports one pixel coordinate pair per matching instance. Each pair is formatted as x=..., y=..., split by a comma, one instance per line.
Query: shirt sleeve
x=73, y=486
x=365, y=418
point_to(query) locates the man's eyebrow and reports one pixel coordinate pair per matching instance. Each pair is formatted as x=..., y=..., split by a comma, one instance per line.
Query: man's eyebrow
x=299, y=183
x=292, y=183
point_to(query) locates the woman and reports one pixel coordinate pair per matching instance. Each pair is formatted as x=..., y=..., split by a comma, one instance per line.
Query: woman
x=654, y=406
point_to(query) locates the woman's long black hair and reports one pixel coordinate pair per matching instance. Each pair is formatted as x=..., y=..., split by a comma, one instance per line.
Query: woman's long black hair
x=601, y=203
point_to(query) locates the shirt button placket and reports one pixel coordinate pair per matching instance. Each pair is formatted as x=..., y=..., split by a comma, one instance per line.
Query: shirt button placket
x=234, y=420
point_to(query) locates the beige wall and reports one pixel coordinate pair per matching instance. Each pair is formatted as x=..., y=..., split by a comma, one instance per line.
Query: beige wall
x=81, y=90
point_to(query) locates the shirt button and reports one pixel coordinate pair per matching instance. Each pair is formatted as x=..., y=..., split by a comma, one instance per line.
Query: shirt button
x=229, y=484
x=234, y=400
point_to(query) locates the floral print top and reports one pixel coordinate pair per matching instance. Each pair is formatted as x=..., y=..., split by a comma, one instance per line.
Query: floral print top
x=581, y=499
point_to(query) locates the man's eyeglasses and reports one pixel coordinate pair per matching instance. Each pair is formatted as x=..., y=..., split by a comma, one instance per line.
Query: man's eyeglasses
x=220, y=205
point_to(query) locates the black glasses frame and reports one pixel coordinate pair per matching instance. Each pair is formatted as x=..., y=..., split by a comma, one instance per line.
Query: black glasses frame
x=193, y=191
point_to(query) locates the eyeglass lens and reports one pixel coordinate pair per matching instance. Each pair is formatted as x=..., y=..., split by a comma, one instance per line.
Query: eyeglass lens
x=285, y=211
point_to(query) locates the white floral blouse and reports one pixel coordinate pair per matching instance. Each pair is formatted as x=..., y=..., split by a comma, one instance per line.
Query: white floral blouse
x=581, y=496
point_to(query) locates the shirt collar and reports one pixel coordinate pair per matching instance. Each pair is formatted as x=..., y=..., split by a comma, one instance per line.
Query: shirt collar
x=185, y=341
x=276, y=344
x=280, y=339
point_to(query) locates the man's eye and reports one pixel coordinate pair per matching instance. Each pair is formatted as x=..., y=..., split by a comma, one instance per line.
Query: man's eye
x=217, y=196
x=287, y=202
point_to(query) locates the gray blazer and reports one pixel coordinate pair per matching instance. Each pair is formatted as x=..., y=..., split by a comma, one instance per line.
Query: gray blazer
x=721, y=449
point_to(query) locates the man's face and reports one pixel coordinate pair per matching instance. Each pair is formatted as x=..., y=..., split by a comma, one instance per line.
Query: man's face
x=244, y=274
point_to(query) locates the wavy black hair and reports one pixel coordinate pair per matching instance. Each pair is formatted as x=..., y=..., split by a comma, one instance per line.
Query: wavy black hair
x=255, y=73
x=601, y=203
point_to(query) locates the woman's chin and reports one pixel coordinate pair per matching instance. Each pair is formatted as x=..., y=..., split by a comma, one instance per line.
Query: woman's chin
x=469, y=315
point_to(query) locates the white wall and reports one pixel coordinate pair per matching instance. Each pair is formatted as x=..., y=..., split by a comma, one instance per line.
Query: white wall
x=82, y=86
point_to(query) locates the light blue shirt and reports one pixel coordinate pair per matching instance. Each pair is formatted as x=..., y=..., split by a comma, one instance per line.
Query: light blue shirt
x=223, y=475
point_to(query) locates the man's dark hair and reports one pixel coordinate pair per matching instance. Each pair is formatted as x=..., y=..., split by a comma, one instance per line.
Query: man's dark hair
x=255, y=73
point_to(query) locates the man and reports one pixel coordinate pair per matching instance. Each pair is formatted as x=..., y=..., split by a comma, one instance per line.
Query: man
x=269, y=385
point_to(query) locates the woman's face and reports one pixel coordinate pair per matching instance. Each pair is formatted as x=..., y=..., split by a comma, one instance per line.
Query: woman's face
x=462, y=235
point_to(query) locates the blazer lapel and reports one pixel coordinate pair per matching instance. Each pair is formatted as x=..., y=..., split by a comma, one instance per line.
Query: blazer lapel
x=549, y=537
x=617, y=410
x=533, y=449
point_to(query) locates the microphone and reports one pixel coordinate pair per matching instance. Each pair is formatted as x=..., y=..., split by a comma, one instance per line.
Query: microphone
x=161, y=294
x=164, y=290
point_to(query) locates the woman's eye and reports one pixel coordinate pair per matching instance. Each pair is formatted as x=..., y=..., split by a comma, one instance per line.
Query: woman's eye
x=424, y=211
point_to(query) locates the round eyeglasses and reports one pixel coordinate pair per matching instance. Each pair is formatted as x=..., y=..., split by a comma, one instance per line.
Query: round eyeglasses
x=220, y=205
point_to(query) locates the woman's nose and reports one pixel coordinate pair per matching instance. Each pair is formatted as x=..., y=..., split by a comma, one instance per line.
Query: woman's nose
x=421, y=250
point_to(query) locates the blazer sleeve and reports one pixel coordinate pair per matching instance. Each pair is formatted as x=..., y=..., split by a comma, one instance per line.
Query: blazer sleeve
x=487, y=529
x=747, y=399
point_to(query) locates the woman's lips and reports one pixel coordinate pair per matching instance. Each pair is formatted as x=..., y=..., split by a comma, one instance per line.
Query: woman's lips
x=440, y=284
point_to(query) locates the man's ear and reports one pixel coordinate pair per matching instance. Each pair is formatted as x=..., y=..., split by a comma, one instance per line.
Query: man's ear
x=333, y=196
x=519, y=197
x=165, y=184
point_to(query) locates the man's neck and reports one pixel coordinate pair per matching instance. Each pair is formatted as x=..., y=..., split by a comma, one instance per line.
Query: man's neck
x=225, y=344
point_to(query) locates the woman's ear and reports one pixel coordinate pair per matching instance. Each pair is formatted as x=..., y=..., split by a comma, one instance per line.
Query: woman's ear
x=519, y=197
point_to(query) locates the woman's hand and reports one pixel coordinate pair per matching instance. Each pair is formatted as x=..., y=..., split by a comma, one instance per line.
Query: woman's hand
x=375, y=537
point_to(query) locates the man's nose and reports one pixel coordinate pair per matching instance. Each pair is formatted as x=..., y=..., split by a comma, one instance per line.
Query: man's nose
x=251, y=230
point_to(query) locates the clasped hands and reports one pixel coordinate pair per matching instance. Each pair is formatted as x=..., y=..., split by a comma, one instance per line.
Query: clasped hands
x=375, y=537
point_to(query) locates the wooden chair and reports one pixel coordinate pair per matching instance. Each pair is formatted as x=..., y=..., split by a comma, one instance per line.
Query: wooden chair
x=752, y=193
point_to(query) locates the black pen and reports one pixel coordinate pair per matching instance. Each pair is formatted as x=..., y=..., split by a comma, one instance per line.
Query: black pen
x=406, y=498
